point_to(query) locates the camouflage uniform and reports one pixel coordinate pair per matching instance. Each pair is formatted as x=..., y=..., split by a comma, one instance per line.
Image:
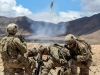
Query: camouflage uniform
x=46, y=59
x=59, y=56
x=52, y=58
x=83, y=56
x=47, y=64
x=12, y=53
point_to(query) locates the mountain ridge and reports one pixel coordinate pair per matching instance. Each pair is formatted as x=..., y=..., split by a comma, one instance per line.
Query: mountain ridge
x=83, y=27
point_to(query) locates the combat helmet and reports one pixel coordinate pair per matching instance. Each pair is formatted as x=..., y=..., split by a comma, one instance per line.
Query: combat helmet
x=70, y=38
x=12, y=28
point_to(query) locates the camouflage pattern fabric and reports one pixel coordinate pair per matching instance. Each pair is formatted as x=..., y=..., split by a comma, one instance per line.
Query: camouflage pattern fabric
x=83, y=55
x=60, y=53
x=15, y=59
x=47, y=64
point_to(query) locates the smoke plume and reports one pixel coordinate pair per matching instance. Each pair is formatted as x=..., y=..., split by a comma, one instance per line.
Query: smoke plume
x=47, y=29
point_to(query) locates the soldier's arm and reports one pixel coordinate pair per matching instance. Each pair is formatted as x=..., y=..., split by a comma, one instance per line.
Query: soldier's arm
x=21, y=46
x=84, y=54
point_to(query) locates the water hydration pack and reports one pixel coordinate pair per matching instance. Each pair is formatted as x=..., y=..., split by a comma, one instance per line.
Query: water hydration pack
x=4, y=48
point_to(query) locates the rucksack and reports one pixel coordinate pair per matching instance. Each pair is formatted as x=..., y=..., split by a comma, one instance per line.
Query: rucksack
x=85, y=43
x=3, y=48
x=54, y=51
x=57, y=51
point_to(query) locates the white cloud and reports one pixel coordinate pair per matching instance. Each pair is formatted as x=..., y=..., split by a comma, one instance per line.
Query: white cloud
x=6, y=5
x=8, y=8
x=91, y=6
x=55, y=18
x=21, y=11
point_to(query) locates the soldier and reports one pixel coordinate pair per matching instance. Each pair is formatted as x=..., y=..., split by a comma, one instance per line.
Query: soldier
x=60, y=56
x=81, y=54
x=12, y=53
x=47, y=60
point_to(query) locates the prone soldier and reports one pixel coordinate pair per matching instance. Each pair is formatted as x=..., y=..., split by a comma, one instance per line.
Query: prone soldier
x=43, y=60
x=51, y=57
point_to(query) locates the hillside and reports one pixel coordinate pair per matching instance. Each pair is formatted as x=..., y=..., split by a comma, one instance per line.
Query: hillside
x=87, y=27
x=21, y=21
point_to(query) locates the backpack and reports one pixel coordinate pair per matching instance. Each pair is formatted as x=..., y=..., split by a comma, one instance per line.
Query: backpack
x=85, y=43
x=54, y=52
x=3, y=48
x=57, y=51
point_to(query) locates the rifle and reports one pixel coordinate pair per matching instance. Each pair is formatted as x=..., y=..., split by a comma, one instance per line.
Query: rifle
x=73, y=56
x=22, y=39
x=40, y=62
x=85, y=64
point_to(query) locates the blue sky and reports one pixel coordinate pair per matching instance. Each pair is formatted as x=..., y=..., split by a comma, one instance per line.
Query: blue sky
x=59, y=5
x=39, y=10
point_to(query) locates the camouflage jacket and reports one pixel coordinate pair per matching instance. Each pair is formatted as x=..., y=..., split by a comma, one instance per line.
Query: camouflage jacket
x=14, y=46
x=82, y=51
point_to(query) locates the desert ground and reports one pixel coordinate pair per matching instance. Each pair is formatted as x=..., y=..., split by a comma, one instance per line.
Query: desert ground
x=95, y=68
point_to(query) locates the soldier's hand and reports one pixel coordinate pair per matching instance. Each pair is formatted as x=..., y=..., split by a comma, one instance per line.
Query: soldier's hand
x=22, y=39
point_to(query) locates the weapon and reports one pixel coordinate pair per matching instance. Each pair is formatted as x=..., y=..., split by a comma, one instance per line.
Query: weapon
x=22, y=39
x=85, y=64
x=57, y=45
x=40, y=62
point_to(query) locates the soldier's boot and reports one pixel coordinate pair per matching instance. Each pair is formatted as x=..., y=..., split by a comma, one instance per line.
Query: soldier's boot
x=84, y=71
x=9, y=72
x=44, y=72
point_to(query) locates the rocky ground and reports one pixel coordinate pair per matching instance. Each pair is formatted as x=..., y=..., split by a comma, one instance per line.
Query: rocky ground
x=95, y=68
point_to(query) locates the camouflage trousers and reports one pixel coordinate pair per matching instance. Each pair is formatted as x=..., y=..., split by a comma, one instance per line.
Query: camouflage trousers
x=47, y=65
x=83, y=70
x=13, y=66
x=64, y=68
